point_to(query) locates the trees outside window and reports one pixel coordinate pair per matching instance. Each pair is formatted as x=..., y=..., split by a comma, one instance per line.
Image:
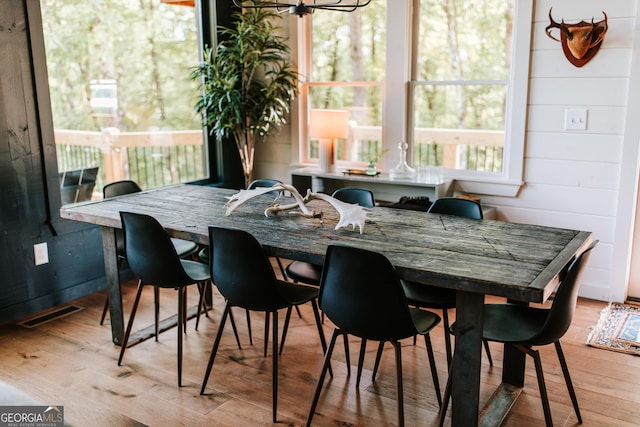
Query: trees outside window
x=461, y=83
x=120, y=89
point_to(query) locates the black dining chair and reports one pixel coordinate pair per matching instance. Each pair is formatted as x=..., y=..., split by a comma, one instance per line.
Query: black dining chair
x=203, y=255
x=184, y=248
x=154, y=261
x=255, y=288
x=433, y=297
x=307, y=273
x=361, y=294
x=525, y=327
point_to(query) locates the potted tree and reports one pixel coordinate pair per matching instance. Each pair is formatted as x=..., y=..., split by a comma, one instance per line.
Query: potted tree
x=246, y=83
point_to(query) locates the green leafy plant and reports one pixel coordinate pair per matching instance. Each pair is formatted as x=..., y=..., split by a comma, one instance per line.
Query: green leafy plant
x=246, y=83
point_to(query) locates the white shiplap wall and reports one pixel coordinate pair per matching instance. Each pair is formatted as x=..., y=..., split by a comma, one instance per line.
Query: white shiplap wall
x=576, y=179
x=573, y=179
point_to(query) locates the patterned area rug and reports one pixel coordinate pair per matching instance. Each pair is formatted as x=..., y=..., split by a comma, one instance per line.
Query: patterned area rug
x=618, y=329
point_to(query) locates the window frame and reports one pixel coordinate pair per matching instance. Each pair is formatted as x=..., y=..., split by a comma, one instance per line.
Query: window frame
x=398, y=93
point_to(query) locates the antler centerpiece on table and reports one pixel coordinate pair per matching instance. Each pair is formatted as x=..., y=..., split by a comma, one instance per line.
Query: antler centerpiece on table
x=350, y=214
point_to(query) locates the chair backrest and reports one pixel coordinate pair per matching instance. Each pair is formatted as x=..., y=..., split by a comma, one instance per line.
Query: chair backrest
x=455, y=206
x=358, y=196
x=118, y=188
x=361, y=293
x=242, y=271
x=150, y=253
x=263, y=183
x=565, y=300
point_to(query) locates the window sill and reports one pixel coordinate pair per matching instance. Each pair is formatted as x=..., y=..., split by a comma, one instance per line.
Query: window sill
x=502, y=188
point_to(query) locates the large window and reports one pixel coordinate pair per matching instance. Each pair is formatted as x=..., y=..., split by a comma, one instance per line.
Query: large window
x=346, y=72
x=451, y=82
x=119, y=83
x=460, y=82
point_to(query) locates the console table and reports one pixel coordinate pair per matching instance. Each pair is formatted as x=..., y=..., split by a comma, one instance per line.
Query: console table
x=383, y=187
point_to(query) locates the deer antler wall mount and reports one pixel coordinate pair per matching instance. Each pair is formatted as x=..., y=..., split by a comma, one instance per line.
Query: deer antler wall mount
x=581, y=41
x=350, y=214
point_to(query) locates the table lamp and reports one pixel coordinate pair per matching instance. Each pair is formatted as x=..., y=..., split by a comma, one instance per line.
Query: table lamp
x=327, y=126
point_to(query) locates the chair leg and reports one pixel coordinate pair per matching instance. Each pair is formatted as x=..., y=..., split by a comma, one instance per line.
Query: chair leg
x=488, y=351
x=249, y=327
x=281, y=267
x=445, y=400
x=323, y=373
x=347, y=355
x=106, y=301
x=541, y=384
x=182, y=293
x=202, y=305
x=567, y=380
x=447, y=336
x=323, y=340
x=400, y=398
x=434, y=371
x=216, y=344
x=377, y=363
x=184, y=311
x=266, y=332
x=235, y=330
x=104, y=310
x=274, y=362
x=363, y=348
x=156, y=310
x=130, y=323
x=285, y=327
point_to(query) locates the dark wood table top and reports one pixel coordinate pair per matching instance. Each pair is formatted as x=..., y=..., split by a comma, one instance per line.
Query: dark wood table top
x=512, y=260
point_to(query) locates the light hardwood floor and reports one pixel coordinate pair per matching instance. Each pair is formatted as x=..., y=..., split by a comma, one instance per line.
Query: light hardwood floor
x=71, y=361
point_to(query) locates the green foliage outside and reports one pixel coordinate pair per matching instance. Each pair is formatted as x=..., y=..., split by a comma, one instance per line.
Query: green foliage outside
x=145, y=46
x=147, y=49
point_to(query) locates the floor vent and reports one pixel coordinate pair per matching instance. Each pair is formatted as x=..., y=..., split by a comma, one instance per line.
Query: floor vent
x=49, y=316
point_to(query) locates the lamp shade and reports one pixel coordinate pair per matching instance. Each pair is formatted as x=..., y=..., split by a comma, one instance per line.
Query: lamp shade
x=330, y=124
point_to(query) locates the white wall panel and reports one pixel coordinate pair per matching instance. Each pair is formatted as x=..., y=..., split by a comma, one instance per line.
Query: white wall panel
x=579, y=92
x=574, y=146
x=600, y=120
x=572, y=174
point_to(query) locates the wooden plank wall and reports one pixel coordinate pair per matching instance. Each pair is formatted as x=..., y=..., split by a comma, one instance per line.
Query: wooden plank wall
x=27, y=209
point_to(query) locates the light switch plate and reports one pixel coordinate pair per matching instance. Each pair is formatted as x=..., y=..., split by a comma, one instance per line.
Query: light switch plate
x=575, y=119
x=41, y=253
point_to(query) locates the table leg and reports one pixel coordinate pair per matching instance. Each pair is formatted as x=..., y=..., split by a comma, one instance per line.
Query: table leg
x=513, y=365
x=116, y=316
x=465, y=396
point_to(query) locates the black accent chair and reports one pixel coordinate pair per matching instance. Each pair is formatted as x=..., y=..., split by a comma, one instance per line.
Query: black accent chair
x=255, y=288
x=203, y=255
x=525, y=327
x=304, y=272
x=434, y=297
x=184, y=248
x=154, y=261
x=361, y=294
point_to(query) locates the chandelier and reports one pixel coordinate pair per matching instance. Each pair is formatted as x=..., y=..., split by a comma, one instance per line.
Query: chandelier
x=301, y=8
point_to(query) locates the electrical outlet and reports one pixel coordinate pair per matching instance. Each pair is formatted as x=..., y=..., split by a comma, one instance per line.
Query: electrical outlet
x=41, y=253
x=575, y=119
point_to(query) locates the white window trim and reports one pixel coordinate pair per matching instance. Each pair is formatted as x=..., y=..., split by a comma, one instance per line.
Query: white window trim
x=397, y=92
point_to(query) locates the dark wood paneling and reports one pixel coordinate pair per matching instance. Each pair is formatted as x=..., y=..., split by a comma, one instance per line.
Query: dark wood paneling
x=27, y=167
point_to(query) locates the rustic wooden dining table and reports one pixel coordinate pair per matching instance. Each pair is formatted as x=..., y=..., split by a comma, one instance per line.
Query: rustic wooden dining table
x=476, y=258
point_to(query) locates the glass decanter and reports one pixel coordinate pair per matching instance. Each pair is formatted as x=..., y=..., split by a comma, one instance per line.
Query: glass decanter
x=403, y=170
